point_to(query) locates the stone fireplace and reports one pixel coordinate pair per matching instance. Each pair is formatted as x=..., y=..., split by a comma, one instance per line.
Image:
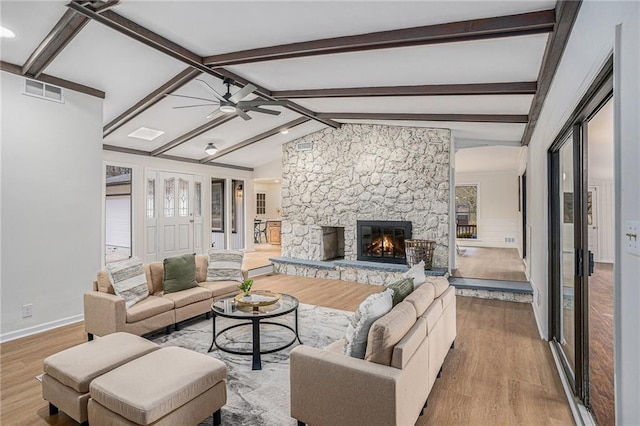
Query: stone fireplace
x=363, y=172
x=382, y=240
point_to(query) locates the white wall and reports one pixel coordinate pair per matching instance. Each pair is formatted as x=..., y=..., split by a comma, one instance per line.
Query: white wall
x=51, y=198
x=604, y=220
x=272, y=193
x=590, y=44
x=272, y=169
x=139, y=163
x=497, y=208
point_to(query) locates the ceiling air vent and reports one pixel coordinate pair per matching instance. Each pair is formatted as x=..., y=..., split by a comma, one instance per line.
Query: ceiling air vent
x=304, y=146
x=43, y=90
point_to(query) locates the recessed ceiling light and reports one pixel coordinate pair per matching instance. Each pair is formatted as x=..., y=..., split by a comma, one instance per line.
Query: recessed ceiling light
x=284, y=131
x=276, y=181
x=146, y=134
x=6, y=33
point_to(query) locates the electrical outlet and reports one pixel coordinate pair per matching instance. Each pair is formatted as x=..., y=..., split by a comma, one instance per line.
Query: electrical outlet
x=27, y=310
x=632, y=237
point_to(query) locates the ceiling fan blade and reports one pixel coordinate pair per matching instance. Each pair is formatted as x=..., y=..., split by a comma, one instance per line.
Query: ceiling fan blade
x=243, y=114
x=258, y=102
x=215, y=101
x=242, y=93
x=215, y=92
x=262, y=110
x=191, y=106
x=213, y=113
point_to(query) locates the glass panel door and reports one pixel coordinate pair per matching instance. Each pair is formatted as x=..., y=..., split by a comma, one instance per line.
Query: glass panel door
x=217, y=213
x=567, y=254
x=573, y=218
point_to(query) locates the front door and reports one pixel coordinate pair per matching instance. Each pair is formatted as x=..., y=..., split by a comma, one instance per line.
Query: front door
x=176, y=218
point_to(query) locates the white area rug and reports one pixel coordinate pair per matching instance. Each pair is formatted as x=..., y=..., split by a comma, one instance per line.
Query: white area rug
x=257, y=398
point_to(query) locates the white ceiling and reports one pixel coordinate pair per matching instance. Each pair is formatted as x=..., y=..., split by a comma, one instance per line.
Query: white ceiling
x=484, y=61
x=214, y=27
x=30, y=28
x=487, y=159
x=128, y=70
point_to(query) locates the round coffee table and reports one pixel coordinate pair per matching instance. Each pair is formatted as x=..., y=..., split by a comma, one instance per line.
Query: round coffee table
x=229, y=308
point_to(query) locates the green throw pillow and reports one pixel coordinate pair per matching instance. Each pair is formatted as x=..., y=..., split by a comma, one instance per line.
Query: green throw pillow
x=401, y=289
x=179, y=273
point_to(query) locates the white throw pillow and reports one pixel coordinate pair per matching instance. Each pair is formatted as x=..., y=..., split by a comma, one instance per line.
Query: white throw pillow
x=372, y=308
x=225, y=265
x=129, y=280
x=417, y=273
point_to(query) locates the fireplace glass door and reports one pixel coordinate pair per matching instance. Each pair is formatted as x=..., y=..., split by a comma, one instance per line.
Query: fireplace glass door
x=383, y=241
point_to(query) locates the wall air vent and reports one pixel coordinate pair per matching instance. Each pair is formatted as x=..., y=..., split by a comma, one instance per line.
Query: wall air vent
x=41, y=90
x=304, y=146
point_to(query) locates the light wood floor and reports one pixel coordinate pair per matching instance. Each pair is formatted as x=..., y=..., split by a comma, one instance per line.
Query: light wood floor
x=489, y=263
x=260, y=257
x=500, y=371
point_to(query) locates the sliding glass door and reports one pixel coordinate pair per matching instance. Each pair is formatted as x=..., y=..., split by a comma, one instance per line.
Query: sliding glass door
x=571, y=233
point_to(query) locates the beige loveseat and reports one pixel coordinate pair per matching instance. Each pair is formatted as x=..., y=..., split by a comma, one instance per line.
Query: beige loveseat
x=405, y=352
x=105, y=313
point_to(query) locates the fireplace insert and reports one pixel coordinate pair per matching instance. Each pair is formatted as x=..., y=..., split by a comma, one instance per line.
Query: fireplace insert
x=382, y=241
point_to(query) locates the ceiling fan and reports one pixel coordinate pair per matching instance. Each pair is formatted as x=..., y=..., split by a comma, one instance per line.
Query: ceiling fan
x=232, y=104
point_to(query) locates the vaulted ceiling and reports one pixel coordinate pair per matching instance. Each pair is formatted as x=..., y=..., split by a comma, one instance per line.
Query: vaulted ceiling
x=481, y=69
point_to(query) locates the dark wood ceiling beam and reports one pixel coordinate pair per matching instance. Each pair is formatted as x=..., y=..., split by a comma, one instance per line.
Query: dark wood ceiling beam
x=211, y=124
x=566, y=13
x=132, y=151
x=142, y=34
x=476, y=29
x=151, y=99
x=67, y=27
x=45, y=78
x=157, y=42
x=255, y=139
x=515, y=88
x=469, y=118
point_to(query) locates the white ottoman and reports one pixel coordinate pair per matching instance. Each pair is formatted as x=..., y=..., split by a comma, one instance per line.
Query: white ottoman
x=65, y=384
x=170, y=386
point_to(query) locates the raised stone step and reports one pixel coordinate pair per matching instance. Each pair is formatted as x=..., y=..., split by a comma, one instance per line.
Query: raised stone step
x=512, y=291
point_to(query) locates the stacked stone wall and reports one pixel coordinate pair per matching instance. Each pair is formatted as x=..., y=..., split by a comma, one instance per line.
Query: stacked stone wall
x=366, y=172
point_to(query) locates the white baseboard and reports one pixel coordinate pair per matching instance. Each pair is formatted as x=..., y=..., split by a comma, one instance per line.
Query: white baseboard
x=535, y=315
x=13, y=335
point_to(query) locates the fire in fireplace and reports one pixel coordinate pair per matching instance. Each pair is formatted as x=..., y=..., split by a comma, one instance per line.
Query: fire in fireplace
x=382, y=241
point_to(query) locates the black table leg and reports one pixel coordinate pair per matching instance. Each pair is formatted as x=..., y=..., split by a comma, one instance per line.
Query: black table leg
x=257, y=359
x=297, y=335
x=214, y=333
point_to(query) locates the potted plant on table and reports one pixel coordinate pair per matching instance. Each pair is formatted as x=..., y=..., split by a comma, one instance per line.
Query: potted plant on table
x=246, y=288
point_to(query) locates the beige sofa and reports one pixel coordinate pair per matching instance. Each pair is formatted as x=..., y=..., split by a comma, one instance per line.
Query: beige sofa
x=105, y=312
x=405, y=352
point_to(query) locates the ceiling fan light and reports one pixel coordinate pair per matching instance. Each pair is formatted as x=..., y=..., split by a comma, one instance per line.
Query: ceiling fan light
x=227, y=109
x=210, y=149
